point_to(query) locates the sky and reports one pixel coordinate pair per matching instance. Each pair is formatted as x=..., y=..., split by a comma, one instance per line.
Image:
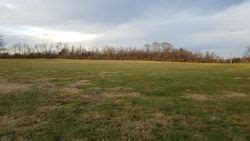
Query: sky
x=220, y=26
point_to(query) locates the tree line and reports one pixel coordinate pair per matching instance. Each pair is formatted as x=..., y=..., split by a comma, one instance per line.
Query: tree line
x=151, y=52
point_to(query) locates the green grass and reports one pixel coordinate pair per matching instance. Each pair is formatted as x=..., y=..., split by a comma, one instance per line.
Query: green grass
x=123, y=100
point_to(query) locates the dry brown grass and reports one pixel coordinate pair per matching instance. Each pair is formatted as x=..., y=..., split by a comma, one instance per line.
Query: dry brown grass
x=15, y=121
x=46, y=109
x=224, y=95
x=45, y=85
x=80, y=83
x=48, y=86
x=9, y=87
x=93, y=115
x=71, y=90
x=242, y=78
x=120, y=94
x=197, y=97
x=74, y=88
x=107, y=74
x=96, y=94
x=143, y=128
x=231, y=94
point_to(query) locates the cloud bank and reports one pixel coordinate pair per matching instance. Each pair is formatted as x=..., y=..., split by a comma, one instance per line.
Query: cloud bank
x=219, y=26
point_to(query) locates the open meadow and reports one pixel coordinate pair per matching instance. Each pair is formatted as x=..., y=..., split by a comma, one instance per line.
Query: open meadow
x=46, y=99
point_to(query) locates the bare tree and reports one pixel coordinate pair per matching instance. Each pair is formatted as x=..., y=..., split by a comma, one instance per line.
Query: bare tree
x=166, y=47
x=247, y=52
x=2, y=48
x=246, y=57
x=1, y=41
x=147, y=48
x=156, y=47
x=155, y=51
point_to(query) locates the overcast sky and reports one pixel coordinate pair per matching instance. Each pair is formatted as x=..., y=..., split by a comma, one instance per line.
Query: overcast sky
x=221, y=26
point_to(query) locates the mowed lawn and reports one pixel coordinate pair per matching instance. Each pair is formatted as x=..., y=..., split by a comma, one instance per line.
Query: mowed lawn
x=123, y=100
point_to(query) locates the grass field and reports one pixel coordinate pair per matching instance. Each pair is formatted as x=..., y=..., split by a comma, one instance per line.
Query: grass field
x=123, y=100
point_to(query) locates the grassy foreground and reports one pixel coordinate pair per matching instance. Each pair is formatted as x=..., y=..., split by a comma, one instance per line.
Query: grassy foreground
x=123, y=100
